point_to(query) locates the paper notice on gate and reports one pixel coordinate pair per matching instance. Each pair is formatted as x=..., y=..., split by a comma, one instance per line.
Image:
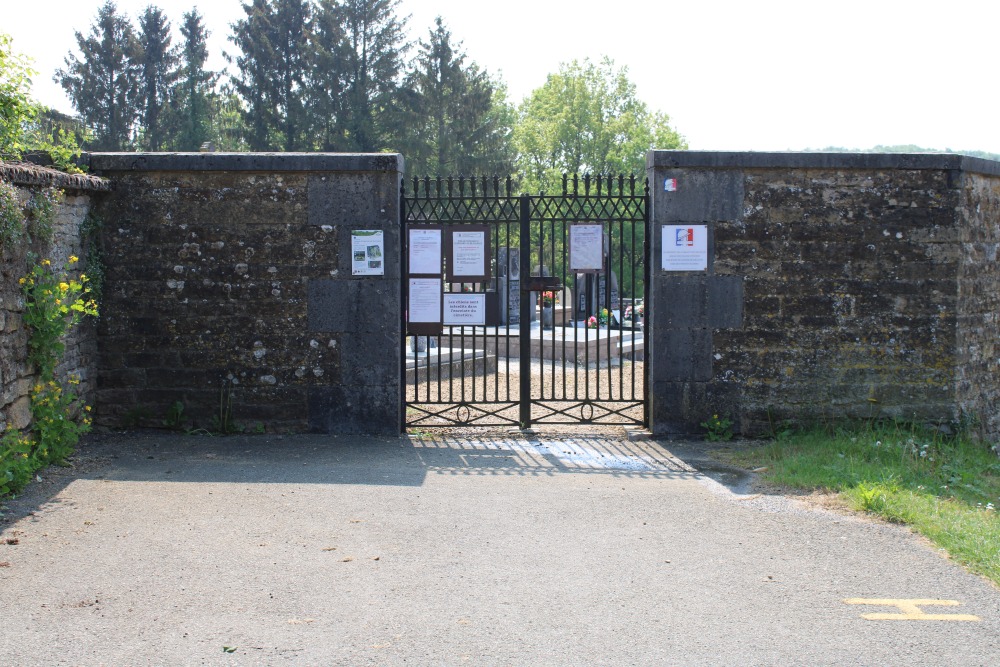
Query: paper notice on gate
x=586, y=247
x=425, y=251
x=425, y=300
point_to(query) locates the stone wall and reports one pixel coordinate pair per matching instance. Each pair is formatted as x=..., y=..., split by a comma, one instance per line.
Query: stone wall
x=230, y=295
x=838, y=286
x=978, y=338
x=17, y=377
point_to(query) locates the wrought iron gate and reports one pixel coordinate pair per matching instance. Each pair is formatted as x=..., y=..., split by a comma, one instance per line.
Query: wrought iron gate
x=551, y=332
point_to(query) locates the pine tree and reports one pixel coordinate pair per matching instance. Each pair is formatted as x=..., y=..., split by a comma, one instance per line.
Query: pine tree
x=274, y=40
x=158, y=73
x=327, y=77
x=374, y=60
x=458, y=119
x=103, y=83
x=192, y=98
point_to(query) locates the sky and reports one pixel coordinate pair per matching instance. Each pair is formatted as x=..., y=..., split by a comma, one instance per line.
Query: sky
x=766, y=75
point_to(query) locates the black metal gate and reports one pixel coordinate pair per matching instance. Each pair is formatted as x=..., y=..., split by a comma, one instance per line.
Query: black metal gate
x=550, y=329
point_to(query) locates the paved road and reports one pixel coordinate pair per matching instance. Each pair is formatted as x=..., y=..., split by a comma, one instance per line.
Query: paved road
x=318, y=550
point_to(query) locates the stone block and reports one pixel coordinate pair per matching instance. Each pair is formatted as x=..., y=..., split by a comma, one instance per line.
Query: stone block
x=701, y=196
x=350, y=410
x=338, y=306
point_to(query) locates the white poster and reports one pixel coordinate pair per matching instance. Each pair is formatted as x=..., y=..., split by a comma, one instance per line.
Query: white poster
x=465, y=309
x=425, y=300
x=367, y=252
x=685, y=247
x=425, y=251
x=468, y=254
x=586, y=248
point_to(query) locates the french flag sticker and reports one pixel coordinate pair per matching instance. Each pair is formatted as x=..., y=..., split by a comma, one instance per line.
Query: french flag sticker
x=670, y=185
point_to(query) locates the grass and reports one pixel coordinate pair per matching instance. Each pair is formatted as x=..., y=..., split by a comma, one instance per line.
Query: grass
x=947, y=488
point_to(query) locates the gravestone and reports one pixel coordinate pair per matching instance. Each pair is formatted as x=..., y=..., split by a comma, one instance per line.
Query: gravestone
x=508, y=284
x=591, y=294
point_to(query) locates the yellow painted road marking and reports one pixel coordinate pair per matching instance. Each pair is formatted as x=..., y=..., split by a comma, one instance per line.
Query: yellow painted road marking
x=911, y=610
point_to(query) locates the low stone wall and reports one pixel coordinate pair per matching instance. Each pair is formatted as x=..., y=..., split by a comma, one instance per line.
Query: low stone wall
x=17, y=377
x=839, y=285
x=230, y=301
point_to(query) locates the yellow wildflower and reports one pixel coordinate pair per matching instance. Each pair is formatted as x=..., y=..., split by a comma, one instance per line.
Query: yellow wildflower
x=46, y=262
x=73, y=259
x=22, y=281
x=64, y=287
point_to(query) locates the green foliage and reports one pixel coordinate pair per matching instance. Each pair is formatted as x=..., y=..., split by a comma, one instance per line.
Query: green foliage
x=718, y=429
x=16, y=461
x=457, y=118
x=194, y=105
x=157, y=73
x=274, y=41
x=945, y=487
x=54, y=303
x=587, y=118
x=103, y=82
x=90, y=239
x=175, y=415
x=40, y=214
x=12, y=231
x=17, y=109
x=56, y=431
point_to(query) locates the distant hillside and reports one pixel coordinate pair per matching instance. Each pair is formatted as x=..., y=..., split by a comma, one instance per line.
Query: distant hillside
x=908, y=148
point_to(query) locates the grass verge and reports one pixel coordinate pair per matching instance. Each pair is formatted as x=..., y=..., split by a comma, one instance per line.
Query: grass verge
x=946, y=488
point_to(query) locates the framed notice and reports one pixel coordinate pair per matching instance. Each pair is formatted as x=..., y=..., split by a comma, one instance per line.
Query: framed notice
x=685, y=247
x=423, y=307
x=465, y=309
x=586, y=248
x=367, y=252
x=467, y=254
x=424, y=250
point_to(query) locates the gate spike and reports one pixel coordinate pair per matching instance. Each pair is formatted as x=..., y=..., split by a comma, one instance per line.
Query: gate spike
x=510, y=186
x=565, y=183
x=621, y=184
x=451, y=184
x=439, y=185
x=586, y=185
x=461, y=185
x=646, y=187
x=600, y=182
x=472, y=184
x=631, y=184
x=496, y=185
x=576, y=184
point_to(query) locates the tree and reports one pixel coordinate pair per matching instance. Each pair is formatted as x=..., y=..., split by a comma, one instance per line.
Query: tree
x=274, y=40
x=192, y=95
x=587, y=119
x=327, y=78
x=158, y=63
x=103, y=84
x=457, y=118
x=374, y=56
x=17, y=109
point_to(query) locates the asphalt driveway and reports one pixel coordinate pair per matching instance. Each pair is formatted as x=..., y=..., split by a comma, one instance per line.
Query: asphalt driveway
x=318, y=550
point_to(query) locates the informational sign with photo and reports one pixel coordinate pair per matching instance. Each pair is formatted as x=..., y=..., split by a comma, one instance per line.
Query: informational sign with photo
x=685, y=247
x=586, y=248
x=367, y=252
x=465, y=309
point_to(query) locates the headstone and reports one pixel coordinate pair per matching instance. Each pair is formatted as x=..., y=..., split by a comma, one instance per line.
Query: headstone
x=509, y=284
x=591, y=294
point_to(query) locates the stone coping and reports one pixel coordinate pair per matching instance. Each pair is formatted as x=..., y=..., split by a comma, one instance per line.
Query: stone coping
x=265, y=162
x=790, y=160
x=26, y=173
